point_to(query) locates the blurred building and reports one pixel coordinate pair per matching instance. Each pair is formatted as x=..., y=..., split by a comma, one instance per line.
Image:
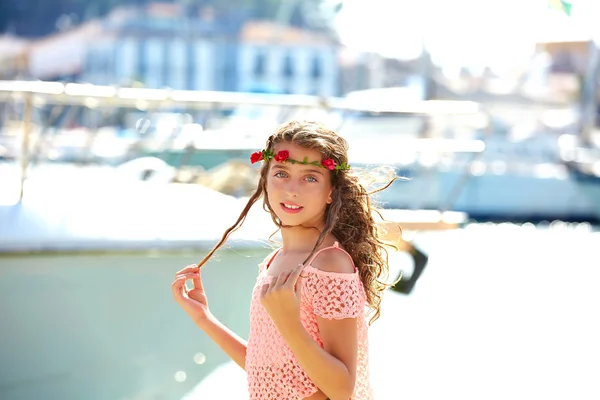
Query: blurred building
x=160, y=45
x=291, y=59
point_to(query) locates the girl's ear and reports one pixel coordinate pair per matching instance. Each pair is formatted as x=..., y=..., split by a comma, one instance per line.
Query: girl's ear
x=330, y=198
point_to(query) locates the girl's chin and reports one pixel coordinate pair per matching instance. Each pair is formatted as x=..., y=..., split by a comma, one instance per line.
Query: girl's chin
x=289, y=221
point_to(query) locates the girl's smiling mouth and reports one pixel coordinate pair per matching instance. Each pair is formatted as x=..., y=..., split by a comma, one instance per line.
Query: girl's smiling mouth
x=291, y=208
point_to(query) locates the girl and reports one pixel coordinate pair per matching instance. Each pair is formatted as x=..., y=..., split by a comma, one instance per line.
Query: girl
x=308, y=328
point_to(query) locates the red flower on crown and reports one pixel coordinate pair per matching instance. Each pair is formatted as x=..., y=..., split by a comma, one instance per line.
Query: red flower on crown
x=256, y=157
x=282, y=156
x=328, y=163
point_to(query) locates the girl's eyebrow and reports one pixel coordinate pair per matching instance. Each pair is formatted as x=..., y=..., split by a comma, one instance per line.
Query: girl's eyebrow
x=313, y=170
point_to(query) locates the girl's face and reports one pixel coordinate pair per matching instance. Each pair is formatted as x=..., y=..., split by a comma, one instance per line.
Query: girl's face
x=298, y=193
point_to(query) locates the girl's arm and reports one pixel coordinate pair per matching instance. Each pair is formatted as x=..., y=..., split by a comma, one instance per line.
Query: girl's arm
x=195, y=304
x=228, y=341
x=332, y=369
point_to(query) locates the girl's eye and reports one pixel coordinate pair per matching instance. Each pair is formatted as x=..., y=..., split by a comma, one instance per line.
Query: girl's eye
x=280, y=174
x=311, y=179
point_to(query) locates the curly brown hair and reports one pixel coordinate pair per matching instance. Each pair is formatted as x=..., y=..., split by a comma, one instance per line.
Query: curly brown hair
x=349, y=218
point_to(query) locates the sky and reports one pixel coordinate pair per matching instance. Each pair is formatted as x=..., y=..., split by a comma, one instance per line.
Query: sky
x=474, y=33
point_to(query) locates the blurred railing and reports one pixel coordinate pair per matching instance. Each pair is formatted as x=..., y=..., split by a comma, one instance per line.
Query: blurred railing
x=93, y=95
x=47, y=96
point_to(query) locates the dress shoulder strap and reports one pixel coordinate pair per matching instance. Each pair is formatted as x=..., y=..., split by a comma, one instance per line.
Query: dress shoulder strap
x=336, y=245
x=269, y=260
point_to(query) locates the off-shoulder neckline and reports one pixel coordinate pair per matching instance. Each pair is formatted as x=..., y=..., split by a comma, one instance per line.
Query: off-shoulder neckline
x=309, y=267
x=316, y=271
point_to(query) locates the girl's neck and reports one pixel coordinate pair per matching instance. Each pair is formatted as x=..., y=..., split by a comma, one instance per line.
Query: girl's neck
x=300, y=239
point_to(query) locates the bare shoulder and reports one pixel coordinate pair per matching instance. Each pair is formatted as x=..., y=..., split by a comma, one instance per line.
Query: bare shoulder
x=334, y=260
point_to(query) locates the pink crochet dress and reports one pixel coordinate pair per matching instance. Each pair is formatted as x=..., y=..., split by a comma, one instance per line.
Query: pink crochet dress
x=273, y=371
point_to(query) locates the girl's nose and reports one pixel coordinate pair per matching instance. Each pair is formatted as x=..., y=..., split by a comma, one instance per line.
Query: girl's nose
x=292, y=188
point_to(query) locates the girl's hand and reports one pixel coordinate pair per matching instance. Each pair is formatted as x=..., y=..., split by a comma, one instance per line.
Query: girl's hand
x=194, y=300
x=281, y=298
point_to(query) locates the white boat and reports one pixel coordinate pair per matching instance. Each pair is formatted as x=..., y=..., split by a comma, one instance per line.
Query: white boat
x=583, y=163
x=506, y=181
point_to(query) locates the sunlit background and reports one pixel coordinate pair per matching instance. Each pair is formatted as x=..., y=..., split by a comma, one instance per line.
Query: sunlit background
x=125, y=134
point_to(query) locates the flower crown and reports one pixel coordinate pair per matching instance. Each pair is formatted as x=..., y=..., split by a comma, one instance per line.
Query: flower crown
x=283, y=156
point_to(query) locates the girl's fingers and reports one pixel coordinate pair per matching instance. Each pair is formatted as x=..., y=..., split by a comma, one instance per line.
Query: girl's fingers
x=195, y=278
x=294, y=275
x=188, y=269
x=264, y=289
x=298, y=287
x=193, y=273
x=178, y=285
x=197, y=281
x=282, y=278
x=189, y=275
